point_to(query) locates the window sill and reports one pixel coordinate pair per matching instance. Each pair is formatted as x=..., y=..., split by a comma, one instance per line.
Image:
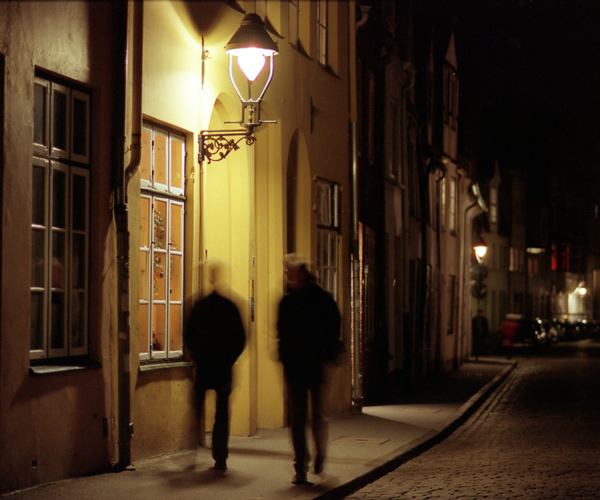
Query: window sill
x=164, y=365
x=63, y=367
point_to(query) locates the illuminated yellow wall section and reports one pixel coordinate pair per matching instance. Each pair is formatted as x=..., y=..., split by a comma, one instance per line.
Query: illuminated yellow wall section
x=226, y=218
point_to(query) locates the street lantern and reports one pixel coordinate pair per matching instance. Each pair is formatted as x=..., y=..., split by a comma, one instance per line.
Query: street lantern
x=480, y=249
x=251, y=49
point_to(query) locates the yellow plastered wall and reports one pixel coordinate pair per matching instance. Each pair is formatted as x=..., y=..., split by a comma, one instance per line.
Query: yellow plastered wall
x=236, y=208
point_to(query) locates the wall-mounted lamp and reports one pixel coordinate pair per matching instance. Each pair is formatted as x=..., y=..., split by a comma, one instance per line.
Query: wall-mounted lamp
x=480, y=249
x=251, y=47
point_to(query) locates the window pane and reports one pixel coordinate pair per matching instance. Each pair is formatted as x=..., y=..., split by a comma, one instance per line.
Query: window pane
x=158, y=327
x=175, y=328
x=145, y=170
x=37, y=321
x=144, y=255
x=175, y=277
x=145, y=222
x=80, y=121
x=39, y=114
x=160, y=224
x=177, y=167
x=39, y=196
x=58, y=198
x=79, y=202
x=78, y=319
x=58, y=260
x=176, y=229
x=78, y=261
x=324, y=203
x=38, y=266
x=160, y=159
x=160, y=271
x=57, y=334
x=143, y=320
x=59, y=120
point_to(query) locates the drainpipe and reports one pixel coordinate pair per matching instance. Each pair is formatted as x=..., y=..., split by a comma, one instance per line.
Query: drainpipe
x=136, y=93
x=357, y=382
x=467, y=219
x=120, y=180
x=438, y=312
x=357, y=393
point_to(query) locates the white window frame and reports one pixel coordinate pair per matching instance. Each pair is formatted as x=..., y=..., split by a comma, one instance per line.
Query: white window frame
x=328, y=224
x=322, y=35
x=75, y=296
x=171, y=195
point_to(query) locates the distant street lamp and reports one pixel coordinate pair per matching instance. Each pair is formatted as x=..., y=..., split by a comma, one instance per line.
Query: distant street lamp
x=250, y=47
x=480, y=249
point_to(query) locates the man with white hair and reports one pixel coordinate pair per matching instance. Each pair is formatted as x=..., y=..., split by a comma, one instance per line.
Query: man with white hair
x=309, y=328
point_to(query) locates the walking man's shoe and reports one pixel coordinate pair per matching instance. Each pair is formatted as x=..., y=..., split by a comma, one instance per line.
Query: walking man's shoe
x=220, y=465
x=319, y=465
x=300, y=478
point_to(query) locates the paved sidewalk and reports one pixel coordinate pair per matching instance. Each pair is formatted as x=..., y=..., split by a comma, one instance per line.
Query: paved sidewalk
x=362, y=448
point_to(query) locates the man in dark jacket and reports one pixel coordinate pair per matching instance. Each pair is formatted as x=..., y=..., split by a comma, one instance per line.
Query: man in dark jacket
x=215, y=338
x=309, y=329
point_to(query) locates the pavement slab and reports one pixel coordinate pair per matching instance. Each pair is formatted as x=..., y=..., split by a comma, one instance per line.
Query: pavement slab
x=362, y=446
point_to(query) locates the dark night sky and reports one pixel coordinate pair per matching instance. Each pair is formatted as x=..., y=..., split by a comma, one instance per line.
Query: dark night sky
x=533, y=67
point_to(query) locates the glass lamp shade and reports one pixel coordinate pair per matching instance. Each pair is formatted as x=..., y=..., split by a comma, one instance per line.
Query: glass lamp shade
x=250, y=60
x=251, y=44
x=480, y=251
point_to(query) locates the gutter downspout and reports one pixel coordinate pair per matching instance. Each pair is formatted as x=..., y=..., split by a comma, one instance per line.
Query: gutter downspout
x=357, y=393
x=357, y=382
x=479, y=202
x=121, y=176
x=438, y=312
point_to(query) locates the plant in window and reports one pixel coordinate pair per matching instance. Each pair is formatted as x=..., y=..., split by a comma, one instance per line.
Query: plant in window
x=159, y=230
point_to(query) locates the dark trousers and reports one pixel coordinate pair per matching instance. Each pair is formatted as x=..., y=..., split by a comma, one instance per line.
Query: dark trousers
x=298, y=395
x=220, y=432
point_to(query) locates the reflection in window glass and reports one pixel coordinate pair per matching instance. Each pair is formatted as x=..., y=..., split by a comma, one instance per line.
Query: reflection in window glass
x=177, y=166
x=160, y=159
x=79, y=129
x=58, y=320
x=58, y=198
x=79, y=202
x=39, y=194
x=38, y=266
x=39, y=114
x=59, y=120
x=58, y=260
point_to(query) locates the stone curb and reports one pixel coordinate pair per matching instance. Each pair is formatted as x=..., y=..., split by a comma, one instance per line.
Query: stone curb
x=381, y=466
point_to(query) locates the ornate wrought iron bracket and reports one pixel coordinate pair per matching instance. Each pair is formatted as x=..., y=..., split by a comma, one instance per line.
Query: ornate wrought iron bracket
x=215, y=145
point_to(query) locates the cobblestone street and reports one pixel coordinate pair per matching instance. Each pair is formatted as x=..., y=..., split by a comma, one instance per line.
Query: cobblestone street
x=537, y=438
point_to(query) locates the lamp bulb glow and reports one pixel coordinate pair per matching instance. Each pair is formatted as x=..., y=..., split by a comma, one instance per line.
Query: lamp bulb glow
x=480, y=252
x=251, y=61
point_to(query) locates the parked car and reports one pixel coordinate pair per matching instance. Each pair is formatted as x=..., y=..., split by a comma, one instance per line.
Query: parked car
x=519, y=332
x=553, y=330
